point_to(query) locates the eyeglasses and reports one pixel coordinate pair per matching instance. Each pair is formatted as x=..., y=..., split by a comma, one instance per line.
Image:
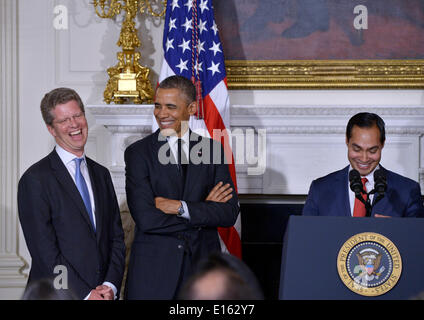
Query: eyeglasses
x=68, y=120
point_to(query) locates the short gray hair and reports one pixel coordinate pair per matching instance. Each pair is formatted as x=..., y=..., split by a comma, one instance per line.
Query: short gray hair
x=55, y=97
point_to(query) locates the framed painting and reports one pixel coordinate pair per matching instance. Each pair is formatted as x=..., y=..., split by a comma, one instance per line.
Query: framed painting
x=322, y=44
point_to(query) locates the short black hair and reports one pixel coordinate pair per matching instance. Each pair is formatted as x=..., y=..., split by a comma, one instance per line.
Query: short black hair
x=241, y=283
x=366, y=120
x=183, y=84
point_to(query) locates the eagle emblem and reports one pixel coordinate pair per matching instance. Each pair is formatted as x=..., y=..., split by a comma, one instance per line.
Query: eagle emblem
x=369, y=260
x=365, y=264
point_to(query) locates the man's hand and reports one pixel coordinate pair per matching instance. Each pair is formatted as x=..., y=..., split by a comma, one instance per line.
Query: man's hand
x=220, y=193
x=102, y=292
x=168, y=206
x=95, y=295
x=106, y=292
x=381, y=216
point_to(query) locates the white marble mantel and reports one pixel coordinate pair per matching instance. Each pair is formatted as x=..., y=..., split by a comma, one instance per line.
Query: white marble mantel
x=302, y=142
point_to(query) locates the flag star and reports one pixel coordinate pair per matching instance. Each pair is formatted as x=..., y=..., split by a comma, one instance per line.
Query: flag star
x=172, y=24
x=215, y=48
x=189, y=5
x=214, y=68
x=202, y=26
x=214, y=28
x=184, y=45
x=174, y=4
x=204, y=5
x=198, y=66
x=188, y=24
x=169, y=44
x=200, y=46
x=182, y=66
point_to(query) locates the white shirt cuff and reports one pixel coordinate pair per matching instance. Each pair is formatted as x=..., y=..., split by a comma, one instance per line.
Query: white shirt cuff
x=186, y=214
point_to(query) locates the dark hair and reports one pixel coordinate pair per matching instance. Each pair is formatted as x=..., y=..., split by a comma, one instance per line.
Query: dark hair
x=241, y=283
x=366, y=120
x=44, y=289
x=55, y=97
x=183, y=84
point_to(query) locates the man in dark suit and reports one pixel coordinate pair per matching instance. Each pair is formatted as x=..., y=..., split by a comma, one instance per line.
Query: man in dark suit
x=332, y=196
x=177, y=205
x=68, y=208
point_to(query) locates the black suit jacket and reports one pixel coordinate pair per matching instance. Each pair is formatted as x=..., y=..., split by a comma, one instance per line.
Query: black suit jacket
x=58, y=231
x=165, y=246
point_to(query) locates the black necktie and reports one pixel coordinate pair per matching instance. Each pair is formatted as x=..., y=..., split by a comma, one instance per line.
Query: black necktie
x=182, y=159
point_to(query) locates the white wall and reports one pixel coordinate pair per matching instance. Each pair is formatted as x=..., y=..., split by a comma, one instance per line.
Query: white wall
x=78, y=57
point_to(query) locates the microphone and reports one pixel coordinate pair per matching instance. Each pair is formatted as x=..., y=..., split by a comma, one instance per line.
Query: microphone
x=357, y=187
x=380, y=182
x=355, y=182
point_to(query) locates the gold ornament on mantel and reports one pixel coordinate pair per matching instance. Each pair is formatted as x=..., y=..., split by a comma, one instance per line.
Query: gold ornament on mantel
x=128, y=79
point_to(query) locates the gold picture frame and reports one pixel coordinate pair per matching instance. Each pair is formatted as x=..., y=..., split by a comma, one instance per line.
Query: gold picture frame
x=304, y=44
x=325, y=74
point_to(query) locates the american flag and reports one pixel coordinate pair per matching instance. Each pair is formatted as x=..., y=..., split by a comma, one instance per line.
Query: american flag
x=192, y=49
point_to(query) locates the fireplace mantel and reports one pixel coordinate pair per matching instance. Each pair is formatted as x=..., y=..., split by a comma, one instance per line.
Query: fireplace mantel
x=302, y=142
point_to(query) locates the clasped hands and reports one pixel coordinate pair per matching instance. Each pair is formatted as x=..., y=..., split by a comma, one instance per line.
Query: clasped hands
x=220, y=193
x=102, y=292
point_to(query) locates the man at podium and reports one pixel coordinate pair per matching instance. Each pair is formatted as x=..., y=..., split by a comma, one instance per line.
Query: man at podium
x=383, y=192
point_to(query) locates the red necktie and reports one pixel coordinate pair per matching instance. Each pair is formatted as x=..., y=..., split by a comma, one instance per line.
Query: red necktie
x=359, y=208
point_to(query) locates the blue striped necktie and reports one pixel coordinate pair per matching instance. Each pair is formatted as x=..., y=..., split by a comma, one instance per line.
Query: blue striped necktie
x=83, y=189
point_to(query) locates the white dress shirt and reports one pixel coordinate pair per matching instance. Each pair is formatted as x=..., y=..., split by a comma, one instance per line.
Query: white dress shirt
x=173, y=144
x=369, y=185
x=68, y=160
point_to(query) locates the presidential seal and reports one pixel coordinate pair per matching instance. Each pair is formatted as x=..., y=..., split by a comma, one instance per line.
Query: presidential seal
x=369, y=264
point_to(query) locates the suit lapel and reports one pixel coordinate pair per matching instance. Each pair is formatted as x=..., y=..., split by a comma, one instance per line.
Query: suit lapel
x=158, y=143
x=343, y=184
x=65, y=180
x=96, y=187
x=193, y=170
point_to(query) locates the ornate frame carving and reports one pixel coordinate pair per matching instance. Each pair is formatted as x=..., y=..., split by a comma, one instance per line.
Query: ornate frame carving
x=325, y=74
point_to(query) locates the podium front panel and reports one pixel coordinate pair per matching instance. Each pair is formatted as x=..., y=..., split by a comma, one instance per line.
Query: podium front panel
x=312, y=244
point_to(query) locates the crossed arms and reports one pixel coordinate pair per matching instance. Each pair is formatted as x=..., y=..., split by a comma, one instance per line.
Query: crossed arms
x=220, y=193
x=153, y=199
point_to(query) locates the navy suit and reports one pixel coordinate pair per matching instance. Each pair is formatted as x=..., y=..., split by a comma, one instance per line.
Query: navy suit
x=166, y=246
x=329, y=196
x=58, y=230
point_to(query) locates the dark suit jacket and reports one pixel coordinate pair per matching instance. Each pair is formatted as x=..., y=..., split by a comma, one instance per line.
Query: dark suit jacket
x=329, y=196
x=58, y=231
x=166, y=246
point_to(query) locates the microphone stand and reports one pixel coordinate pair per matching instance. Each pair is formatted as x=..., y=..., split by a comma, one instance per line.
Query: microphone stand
x=380, y=186
x=367, y=203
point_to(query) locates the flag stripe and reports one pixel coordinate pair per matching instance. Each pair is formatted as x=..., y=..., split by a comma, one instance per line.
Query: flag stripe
x=178, y=47
x=214, y=120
